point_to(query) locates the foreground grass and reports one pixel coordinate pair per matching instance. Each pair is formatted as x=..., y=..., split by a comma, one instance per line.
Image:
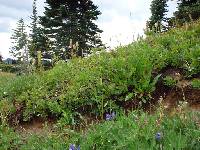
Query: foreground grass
x=5, y=77
x=137, y=131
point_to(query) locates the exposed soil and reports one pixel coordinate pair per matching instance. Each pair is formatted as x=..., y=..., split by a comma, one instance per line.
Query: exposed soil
x=182, y=92
x=36, y=126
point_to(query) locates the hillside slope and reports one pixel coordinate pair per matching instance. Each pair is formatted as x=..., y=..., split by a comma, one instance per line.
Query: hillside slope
x=123, y=78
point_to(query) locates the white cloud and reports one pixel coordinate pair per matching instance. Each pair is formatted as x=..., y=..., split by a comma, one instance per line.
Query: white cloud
x=5, y=44
x=122, y=20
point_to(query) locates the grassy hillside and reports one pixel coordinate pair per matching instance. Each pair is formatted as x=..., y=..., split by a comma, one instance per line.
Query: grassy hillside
x=103, y=82
x=132, y=76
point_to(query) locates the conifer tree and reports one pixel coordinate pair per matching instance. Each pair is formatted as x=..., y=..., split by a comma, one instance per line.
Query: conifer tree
x=188, y=10
x=19, y=42
x=72, y=19
x=1, y=58
x=38, y=40
x=158, y=10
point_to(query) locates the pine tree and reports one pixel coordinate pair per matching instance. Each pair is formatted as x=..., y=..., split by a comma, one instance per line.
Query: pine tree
x=38, y=40
x=1, y=58
x=188, y=10
x=19, y=45
x=34, y=32
x=158, y=10
x=72, y=19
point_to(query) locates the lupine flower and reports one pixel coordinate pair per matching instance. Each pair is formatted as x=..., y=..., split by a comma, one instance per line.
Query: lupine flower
x=108, y=117
x=158, y=136
x=111, y=116
x=73, y=147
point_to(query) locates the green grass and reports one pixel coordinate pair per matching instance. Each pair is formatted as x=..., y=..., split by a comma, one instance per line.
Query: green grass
x=196, y=83
x=5, y=77
x=136, y=131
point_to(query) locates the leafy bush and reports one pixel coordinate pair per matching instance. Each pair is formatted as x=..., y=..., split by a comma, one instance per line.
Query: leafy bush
x=169, y=81
x=9, y=68
x=196, y=83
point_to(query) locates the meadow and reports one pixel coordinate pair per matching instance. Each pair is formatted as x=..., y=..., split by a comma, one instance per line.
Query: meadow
x=139, y=96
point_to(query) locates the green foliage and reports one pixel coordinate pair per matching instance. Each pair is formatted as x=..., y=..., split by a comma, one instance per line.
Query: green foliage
x=179, y=47
x=169, y=81
x=38, y=40
x=9, y=139
x=9, y=68
x=1, y=58
x=188, y=10
x=158, y=11
x=135, y=131
x=102, y=82
x=5, y=77
x=138, y=132
x=196, y=83
x=76, y=22
x=19, y=37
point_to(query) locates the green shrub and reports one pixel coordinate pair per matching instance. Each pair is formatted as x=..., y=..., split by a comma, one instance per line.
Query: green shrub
x=9, y=139
x=196, y=83
x=9, y=68
x=169, y=81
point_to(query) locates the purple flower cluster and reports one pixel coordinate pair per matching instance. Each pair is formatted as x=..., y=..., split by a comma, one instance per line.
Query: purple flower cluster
x=111, y=116
x=158, y=136
x=73, y=147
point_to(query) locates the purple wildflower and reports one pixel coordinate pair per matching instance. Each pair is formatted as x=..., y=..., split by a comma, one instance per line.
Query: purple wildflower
x=158, y=136
x=72, y=147
x=108, y=117
x=111, y=116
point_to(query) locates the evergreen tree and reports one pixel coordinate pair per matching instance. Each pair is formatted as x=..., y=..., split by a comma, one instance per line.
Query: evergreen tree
x=72, y=19
x=19, y=45
x=39, y=41
x=188, y=10
x=158, y=10
x=1, y=58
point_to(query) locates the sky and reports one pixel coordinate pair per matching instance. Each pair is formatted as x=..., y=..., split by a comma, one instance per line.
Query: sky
x=121, y=20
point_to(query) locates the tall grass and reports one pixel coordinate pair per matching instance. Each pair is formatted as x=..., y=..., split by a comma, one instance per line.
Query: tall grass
x=5, y=77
